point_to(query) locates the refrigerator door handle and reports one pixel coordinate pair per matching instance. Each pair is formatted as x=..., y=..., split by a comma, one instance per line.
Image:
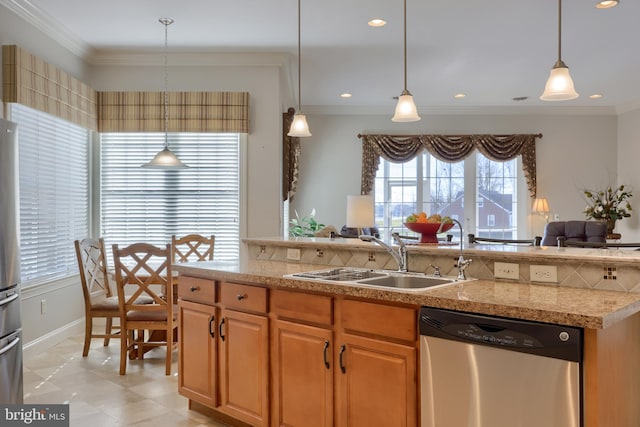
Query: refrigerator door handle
x=9, y=346
x=8, y=300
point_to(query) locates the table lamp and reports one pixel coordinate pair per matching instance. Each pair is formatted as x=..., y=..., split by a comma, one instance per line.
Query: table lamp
x=541, y=206
x=360, y=212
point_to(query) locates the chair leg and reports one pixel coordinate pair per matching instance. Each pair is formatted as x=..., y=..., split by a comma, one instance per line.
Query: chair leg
x=107, y=331
x=88, y=328
x=140, y=344
x=124, y=338
x=169, y=339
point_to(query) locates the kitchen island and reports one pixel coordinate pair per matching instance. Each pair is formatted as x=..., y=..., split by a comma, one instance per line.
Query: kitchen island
x=276, y=316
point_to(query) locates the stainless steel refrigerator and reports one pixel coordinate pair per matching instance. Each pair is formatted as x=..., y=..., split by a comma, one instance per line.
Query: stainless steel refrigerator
x=10, y=323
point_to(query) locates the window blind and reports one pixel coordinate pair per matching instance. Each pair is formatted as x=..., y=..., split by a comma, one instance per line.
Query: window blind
x=54, y=193
x=150, y=205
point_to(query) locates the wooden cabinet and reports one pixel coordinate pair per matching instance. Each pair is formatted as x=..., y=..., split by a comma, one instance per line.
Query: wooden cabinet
x=197, y=352
x=376, y=383
x=244, y=366
x=369, y=352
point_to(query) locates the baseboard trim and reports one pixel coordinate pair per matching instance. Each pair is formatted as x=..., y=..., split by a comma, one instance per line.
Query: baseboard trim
x=41, y=344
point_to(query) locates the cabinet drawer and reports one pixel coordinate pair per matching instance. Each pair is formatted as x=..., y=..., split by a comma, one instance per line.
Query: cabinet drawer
x=301, y=306
x=196, y=289
x=380, y=319
x=243, y=297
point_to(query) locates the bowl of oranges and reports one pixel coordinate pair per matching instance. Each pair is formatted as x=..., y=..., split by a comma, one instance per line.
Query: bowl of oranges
x=428, y=226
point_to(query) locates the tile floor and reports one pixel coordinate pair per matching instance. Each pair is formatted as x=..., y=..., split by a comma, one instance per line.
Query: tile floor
x=99, y=397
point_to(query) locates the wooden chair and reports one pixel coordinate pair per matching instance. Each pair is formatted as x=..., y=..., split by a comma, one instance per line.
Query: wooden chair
x=145, y=269
x=192, y=247
x=98, y=299
x=526, y=242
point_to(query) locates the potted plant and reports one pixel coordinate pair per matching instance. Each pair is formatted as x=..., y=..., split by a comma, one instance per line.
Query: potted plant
x=608, y=205
x=305, y=226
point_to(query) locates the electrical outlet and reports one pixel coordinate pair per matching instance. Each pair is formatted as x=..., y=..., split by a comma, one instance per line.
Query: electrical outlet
x=556, y=217
x=506, y=270
x=544, y=273
x=43, y=306
x=293, y=254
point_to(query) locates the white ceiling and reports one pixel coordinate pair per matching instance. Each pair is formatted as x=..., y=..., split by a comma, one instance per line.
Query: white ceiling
x=491, y=50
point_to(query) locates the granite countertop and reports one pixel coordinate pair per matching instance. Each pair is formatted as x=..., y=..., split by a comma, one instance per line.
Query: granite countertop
x=587, y=308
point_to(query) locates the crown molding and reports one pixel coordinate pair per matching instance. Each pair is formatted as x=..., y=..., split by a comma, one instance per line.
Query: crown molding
x=627, y=108
x=137, y=58
x=49, y=26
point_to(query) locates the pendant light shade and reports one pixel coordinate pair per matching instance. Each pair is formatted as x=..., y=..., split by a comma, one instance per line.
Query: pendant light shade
x=559, y=86
x=165, y=159
x=406, y=110
x=299, y=127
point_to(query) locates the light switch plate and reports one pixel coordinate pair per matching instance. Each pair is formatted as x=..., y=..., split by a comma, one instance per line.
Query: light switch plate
x=506, y=270
x=293, y=254
x=544, y=273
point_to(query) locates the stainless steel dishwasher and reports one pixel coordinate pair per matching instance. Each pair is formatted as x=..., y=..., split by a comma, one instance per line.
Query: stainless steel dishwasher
x=481, y=371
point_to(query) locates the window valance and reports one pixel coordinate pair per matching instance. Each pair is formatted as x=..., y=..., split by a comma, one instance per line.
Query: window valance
x=187, y=112
x=448, y=148
x=33, y=82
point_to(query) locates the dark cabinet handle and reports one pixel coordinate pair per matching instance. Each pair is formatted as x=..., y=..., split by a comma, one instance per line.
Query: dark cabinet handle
x=241, y=297
x=194, y=288
x=221, y=329
x=212, y=332
x=326, y=347
x=342, y=349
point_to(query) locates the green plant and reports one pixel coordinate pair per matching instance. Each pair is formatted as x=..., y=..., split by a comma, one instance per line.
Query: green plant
x=305, y=226
x=609, y=204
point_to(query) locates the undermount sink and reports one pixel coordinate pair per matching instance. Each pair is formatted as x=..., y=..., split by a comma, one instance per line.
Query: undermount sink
x=406, y=282
x=376, y=278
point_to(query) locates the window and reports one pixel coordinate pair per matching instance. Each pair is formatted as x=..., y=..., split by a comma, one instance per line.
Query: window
x=54, y=193
x=150, y=205
x=436, y=187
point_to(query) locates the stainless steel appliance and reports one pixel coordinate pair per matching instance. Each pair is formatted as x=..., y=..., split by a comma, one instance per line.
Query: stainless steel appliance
x=481, y=371
x=10, y=323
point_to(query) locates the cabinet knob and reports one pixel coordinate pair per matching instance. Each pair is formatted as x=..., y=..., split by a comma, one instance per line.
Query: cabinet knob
x=194, y=288
x=241, y=297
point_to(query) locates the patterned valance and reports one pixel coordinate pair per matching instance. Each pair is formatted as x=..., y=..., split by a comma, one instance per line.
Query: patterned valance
x=186, y=111
x=31, y=81
x=448, y=148
x=290, y=157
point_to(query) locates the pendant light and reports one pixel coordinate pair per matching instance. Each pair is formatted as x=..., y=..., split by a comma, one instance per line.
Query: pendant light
x=299, y=126
x=559, y=86
x=165, y=159
x=406, y=110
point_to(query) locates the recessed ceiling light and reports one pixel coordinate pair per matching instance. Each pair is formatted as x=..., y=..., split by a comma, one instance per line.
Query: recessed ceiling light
x=377, y=22
x=596, y=96
x=606, y=4
x=459, y=95
x=345, y=95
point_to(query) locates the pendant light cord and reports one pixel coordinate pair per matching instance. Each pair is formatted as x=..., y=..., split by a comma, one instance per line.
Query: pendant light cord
x=405, y=46
x=299, y=64
x=559, y=30
x=166, y=22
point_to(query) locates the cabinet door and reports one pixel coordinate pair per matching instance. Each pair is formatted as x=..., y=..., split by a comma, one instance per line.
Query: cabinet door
x=197, y=352
x=377, y=384
x=243, y=351
x=303, y=375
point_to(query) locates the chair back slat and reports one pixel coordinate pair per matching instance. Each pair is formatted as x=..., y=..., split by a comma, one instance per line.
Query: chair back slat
x=192, y=247
x=92, y=266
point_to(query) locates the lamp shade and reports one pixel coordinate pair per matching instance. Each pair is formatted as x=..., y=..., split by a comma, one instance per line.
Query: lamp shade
x=165, y=159
x=540, y=205
x=360, y=211
x=406, y=110
x=299, y=127
x=559, y=86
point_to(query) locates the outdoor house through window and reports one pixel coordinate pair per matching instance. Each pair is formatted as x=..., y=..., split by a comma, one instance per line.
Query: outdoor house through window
x=150, y=205
x=427, y=184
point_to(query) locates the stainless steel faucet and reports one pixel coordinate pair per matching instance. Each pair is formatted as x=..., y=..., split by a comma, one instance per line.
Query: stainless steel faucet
x=462, y=263
x=400, y=257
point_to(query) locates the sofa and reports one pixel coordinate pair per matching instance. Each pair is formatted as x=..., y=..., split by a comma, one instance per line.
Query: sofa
x=583, y=231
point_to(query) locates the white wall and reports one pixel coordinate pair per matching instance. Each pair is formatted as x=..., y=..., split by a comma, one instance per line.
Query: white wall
x=629, y=171
x=575, y=152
